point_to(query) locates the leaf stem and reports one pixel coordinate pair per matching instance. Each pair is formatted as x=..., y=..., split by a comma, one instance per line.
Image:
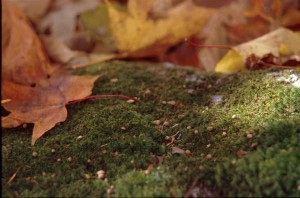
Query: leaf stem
x=207, y=46
x=280, y=66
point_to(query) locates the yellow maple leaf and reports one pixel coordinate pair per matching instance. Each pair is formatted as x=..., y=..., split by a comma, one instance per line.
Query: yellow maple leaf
x=135, y=32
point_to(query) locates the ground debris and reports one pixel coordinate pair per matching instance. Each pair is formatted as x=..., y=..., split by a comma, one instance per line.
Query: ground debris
x=199, y=189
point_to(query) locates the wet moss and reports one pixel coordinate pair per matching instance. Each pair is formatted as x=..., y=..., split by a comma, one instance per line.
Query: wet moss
x=121, y=138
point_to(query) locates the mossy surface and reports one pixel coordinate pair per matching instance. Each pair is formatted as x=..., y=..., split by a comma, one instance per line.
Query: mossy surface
x=121, y=138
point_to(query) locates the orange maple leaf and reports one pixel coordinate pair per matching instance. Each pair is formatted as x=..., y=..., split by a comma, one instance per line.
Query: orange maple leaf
x=38, y=90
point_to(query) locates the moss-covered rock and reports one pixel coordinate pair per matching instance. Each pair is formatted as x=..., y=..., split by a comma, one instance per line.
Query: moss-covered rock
x=242, y=133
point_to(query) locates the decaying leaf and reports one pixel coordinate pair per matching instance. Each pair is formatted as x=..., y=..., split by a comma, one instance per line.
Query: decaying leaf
x=182, y=54
x=95, y=23
x=281, y=42
x=19, y=40
x=57, y=50
x=241, y=153
x=38, y=91
x=33, y=9
x=61, y=21
x=61, y=53
x=275, y=12
x=215, y=32
x=135, y=32
x=177, y=150
x=261, y=17
x=199, y=189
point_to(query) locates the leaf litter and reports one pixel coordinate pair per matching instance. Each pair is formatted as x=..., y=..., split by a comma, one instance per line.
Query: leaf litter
x=279, y=43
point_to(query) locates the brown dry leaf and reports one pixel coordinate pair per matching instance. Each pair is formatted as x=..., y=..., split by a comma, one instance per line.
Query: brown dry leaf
x=216, y=33
x=241, y=153
x=38, y=91
x=135, y=32
x=272, y=11
x=263, y=16
x=19, y=40
x=292, y=18
x=183, y=54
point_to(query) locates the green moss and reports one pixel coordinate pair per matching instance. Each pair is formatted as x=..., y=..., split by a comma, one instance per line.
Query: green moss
x=273, y=170
x=267, y=109
x=156, y=184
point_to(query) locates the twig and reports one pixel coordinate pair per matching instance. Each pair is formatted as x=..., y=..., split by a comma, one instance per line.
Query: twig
x=280, y=66
x=99, y=97
x=12, y=177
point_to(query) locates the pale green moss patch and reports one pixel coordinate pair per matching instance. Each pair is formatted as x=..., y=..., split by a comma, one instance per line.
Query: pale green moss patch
x=121, y=138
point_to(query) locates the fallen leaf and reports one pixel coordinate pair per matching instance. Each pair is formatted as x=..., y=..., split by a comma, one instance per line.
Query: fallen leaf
x=38, y=91
x=61, y=21
x=292, y=18
x=243, y=32
x=182, y=54
x=276, y=12
x=43, y=105
x=95, y=23
x=216, y=32
x=281, y=42
x=230, y=63
x=241, y=153
x=177, y=150
x=23, y=58
x=57, y=50
x=273, y=43
x=135, y=32
x=200, y=189
x=261, y=17
x=33, y=9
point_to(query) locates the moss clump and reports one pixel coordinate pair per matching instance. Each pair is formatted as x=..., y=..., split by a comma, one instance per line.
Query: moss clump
x=122, y=139
x=272, y=170
x=155, y=184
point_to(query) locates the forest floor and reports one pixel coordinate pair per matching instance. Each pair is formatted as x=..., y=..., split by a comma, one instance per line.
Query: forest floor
x=190, y=134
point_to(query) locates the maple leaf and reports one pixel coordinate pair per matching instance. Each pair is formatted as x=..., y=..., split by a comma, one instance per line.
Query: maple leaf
x=38, y=91
x=135, y=32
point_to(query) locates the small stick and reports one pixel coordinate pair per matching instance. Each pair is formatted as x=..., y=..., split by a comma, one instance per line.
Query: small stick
x=12, y=177
x=98, y=97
